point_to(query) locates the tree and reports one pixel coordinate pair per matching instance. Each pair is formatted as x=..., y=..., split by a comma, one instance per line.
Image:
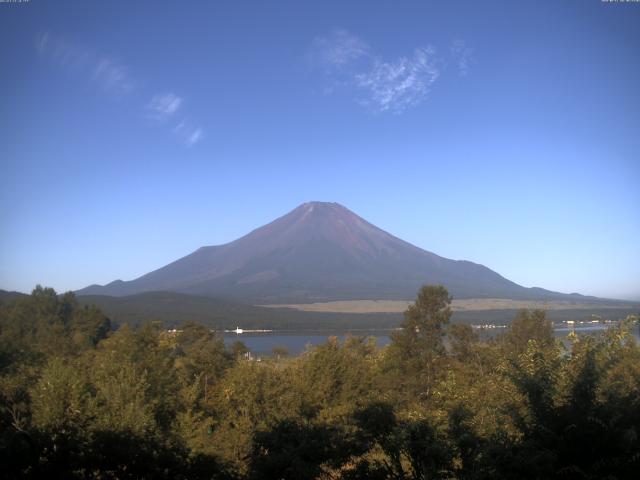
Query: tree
x=294, y=450
x=200, y=354
x=424, y=321
x=463, y=341
x=528, y=325
x=250, y=397
x=88, y=325
x=239, y=349
x=335, y=378
x=418, y=348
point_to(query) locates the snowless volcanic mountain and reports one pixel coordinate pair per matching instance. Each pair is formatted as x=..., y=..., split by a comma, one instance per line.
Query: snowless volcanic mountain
x=320, y=252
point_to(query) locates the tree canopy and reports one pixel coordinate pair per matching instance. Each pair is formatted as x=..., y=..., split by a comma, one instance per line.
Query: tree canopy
x=80, y=400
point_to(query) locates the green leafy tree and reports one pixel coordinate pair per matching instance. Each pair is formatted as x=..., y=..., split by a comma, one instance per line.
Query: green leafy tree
x=251, y=397
x=61, y=399
x=297, y=450
x=334, y=379
x=464, y=342
x=417, y=351
x=200, y=353
x=528, y=325
x=239, y=349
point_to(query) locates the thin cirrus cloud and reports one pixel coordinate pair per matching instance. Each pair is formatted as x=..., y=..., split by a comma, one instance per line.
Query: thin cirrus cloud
x=338, y=50
x=188, y=133
x=114, y=78
x=109, y=74
x=164, y=105
x=382, y=85
x=398, y=85
x=463, y=56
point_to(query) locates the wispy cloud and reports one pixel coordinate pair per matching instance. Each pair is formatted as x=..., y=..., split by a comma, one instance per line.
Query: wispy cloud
x=463, y=56
x=338, y=49
x=107, y=72
x=164, y=105
x=188, y=133
x=395, y=86
x=42, y=41
x=114, y=78
x=379, y=84
x=194, y=137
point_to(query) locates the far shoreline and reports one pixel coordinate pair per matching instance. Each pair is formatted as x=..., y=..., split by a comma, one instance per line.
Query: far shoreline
x=457, y=305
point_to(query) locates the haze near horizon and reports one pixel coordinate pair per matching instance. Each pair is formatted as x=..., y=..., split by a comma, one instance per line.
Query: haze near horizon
x=499, y=133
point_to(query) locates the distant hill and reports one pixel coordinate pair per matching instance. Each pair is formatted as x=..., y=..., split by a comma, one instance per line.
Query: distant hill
x=321, y=252
x=6, y=296
x=173, y=309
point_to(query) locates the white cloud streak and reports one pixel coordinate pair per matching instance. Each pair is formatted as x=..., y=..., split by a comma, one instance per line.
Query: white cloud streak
x=398, y=85
x=114, y=78
x=164, y=105
x=340, y=48
x=188, y=133
x=108, y=73
x=194, y=137
x=463, y=56
x=378, y=84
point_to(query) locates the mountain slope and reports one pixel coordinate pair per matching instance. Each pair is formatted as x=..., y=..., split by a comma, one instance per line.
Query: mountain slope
x=6, y=296
x=319, y=251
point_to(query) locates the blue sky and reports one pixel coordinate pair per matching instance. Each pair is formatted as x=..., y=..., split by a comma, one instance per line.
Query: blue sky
x=506, y=133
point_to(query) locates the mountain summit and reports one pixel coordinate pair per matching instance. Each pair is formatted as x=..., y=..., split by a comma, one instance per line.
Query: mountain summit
x=319, y=252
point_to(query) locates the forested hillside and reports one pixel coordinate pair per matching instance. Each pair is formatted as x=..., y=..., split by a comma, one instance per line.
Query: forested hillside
x=80, y=400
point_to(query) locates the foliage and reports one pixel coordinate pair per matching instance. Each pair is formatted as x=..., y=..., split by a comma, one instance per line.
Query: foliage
x=417, y=352
x=78, y=400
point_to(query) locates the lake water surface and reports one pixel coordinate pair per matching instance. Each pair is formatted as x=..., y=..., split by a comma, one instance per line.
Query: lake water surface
x=296, y=341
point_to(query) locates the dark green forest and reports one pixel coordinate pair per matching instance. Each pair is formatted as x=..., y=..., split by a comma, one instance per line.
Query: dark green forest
x=80, y=399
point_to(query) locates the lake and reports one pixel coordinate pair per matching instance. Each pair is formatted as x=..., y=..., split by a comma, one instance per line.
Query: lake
x=296, y=341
